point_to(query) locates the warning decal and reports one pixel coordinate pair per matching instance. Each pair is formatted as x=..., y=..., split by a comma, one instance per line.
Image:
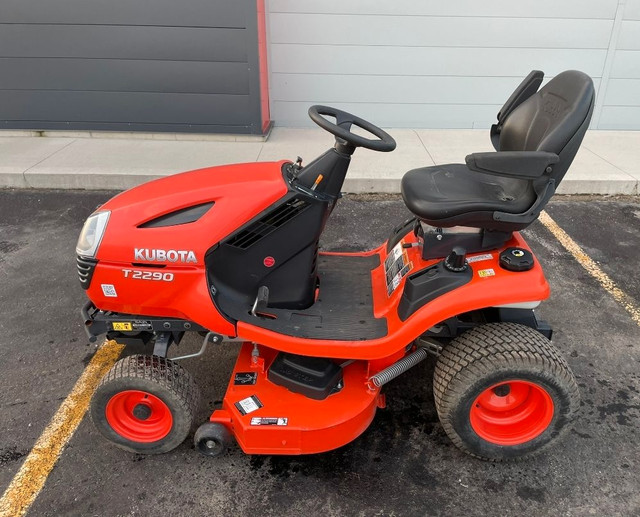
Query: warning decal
x=396, y=266
x=245, y=378
x=141, y=325
x=479, y=258
x=256, y=420
x=248, y=405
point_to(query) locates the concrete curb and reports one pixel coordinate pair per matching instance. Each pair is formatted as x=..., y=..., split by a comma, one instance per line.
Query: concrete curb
x=607, y=164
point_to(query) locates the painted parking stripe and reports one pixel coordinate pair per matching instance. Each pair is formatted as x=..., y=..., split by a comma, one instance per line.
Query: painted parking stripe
x=32, y=476
x=591, y=267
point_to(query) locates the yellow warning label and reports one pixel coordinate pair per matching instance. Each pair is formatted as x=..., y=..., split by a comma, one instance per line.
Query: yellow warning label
x=483, y=273
x=122, y=325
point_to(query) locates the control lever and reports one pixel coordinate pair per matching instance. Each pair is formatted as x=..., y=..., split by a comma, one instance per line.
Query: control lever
x=262, y=300
x=456, y=261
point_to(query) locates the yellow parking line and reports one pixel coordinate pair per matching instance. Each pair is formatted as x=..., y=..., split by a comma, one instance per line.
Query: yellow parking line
x=31, y=477
x=592, y=268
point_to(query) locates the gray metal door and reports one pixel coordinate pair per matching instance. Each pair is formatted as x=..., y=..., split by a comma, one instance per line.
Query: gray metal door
x=132, y=65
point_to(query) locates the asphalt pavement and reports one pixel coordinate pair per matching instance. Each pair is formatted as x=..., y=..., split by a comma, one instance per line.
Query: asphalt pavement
x=404, y=464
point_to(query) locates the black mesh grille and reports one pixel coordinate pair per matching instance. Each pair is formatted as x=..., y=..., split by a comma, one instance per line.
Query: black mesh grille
x=267, y=224
x=86, y=266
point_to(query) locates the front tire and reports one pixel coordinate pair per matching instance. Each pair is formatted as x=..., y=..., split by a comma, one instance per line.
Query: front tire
x=145, y=404
x=504, y=392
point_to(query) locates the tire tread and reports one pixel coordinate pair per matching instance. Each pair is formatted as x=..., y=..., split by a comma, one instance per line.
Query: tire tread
x=160, y=371
x=483, y=350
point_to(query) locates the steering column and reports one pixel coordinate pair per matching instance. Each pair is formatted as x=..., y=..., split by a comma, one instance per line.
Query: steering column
x=327, y=172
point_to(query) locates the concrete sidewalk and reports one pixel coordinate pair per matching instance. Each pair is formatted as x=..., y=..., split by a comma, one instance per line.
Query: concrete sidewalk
x=608, y=162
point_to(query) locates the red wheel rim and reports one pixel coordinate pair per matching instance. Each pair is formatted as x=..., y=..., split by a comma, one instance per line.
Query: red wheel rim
x=512, y=412
x=139, y=416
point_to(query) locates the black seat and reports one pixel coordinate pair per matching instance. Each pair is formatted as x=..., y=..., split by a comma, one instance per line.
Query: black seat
x=536, y=138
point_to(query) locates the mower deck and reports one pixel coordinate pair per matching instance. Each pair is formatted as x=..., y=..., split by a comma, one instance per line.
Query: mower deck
x=270, y=419
x=343, y=310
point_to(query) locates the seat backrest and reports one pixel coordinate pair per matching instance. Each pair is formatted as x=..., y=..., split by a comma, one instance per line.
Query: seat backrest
x=554, y=119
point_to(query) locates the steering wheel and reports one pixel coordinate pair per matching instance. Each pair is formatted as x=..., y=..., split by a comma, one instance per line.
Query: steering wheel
x=384, y=141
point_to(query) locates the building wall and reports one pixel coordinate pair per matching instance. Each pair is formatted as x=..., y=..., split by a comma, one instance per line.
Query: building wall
x=621, y=94
x=152, y=65
x=425, y=64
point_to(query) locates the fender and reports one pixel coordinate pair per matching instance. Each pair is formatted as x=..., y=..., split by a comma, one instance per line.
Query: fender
x=501, y=288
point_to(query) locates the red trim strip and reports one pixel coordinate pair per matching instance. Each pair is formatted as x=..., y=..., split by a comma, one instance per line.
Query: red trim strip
x=264, y=69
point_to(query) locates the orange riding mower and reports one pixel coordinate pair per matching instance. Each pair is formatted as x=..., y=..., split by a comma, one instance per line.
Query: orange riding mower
x=231, y=252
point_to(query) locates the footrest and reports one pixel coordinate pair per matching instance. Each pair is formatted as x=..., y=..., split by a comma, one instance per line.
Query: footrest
x=313, y=377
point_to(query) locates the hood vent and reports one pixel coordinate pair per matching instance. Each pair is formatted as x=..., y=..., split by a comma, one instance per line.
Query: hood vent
x=183, y=216
x=268, y=223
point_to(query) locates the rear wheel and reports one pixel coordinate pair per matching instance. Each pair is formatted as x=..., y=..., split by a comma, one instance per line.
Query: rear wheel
x=145, y=404
x=503, y=392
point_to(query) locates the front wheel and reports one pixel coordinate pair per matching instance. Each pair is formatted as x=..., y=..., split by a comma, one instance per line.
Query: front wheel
x=504, y=392
x=145, y=404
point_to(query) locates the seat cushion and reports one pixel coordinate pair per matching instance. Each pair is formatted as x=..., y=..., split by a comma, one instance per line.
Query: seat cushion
x=452, y=195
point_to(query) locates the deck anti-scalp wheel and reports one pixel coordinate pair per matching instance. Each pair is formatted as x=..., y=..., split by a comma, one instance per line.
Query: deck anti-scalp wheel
x=212, y=439
x=145, y=404
x=503, y=392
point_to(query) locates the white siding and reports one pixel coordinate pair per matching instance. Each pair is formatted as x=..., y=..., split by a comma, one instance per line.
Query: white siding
x=632, y=10
x=424, y=64
x=430, y=61
x=629, y=35
x=626, y=64
x=621, y=103
x=474, y=8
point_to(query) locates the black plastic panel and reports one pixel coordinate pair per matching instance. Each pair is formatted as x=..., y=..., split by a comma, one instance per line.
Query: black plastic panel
x=399, y=232
x=439, y=245
x=277, y=249
x=457, y=325
x=427, y=284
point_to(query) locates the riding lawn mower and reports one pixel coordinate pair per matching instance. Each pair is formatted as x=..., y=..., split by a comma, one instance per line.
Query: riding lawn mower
x=232, y=252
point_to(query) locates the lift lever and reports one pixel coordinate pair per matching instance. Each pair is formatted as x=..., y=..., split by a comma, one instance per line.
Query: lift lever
x=262, y=299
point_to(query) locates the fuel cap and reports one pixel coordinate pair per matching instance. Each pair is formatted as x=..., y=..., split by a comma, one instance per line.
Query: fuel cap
x=516, y=259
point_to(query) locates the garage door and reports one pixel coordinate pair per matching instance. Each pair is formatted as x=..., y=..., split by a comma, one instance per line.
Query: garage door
x=152, y=65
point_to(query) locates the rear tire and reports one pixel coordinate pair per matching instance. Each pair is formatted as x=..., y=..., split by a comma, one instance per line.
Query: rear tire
x=503, y=392
x=145, y=404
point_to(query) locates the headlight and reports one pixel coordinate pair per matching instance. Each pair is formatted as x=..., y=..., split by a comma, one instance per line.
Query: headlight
x=91, y=234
